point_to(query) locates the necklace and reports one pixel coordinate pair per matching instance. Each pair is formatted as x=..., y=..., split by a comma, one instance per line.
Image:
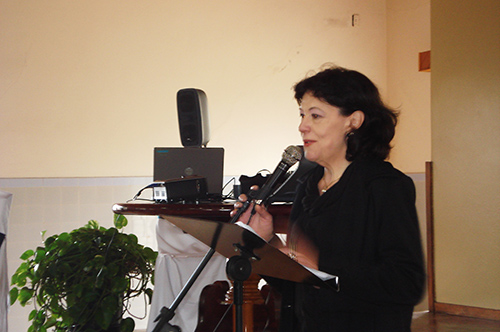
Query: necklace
x=324, y=190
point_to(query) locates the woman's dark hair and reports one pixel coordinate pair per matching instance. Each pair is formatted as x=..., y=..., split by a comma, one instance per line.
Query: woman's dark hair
x=351, y=91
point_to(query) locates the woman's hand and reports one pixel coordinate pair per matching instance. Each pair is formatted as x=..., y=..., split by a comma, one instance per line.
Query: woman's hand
x=256, y=216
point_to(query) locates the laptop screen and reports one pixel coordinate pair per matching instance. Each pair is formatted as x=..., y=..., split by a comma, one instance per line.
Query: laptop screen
x=174, y=163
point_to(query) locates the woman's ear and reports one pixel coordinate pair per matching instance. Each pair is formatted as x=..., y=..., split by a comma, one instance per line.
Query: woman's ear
x=357, y=118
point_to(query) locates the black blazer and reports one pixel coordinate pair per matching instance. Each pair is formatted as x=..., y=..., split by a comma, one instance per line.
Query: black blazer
x=367, y=232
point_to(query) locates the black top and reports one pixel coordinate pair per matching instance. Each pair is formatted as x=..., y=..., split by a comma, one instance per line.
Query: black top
x=367, y=232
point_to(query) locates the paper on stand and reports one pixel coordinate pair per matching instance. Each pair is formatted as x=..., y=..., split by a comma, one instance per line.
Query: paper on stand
x=320, y=274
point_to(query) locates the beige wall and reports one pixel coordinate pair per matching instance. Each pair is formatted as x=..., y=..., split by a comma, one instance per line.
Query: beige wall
x=88, y=87
x=408, y=34
x=466, y=151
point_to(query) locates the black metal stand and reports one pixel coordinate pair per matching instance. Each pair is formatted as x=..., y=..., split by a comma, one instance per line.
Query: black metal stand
x=239, y=269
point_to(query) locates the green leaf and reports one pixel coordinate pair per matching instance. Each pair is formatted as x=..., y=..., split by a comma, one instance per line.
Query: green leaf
x=104, y=319
x=93, y=224
x=149, y=293
x=21, y=279
x=120, y=221
x=25, y=295
x=119, y=285
x=113, y=269
x=98, y=260
x=133, y=239
x=127, y=325
x=23, y=267
x=91, y=296
x=27, y=254
x=14, y=279
x=63, y=241
x=40, y=317
x=49, y=242
x=78, y=312
x=39, y=269
x=111, y=304
x=149, y=253
x=52, y=321
x=39, y=255
x=13, y=293
x=32, y=314
x=78, y=290
x=109, y=308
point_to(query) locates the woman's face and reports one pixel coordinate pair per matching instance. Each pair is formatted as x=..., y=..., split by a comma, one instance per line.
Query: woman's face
x=323, y=131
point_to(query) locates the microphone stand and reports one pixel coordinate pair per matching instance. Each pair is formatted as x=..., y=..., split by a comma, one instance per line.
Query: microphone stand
x=166, y=314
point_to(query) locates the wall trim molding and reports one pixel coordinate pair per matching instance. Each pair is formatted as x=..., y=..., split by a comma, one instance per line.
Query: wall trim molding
x=429, y=199
x=467, y=311
x=73, y=182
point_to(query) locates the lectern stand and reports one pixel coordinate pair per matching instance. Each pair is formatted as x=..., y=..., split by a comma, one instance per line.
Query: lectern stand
x=248, y=253
x=232, y=240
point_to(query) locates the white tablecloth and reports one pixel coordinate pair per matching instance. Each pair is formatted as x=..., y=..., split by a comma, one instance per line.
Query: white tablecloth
x=178, y=256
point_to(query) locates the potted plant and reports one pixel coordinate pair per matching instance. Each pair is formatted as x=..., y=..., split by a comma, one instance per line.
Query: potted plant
x=83, y=280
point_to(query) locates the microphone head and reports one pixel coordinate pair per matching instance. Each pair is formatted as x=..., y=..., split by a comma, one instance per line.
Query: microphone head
x=292, y=155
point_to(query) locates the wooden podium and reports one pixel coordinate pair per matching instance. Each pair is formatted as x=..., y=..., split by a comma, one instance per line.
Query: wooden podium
x=216, y=212
x=211, y=211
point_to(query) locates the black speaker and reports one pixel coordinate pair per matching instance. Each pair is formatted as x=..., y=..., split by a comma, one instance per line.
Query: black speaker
x=192, y=112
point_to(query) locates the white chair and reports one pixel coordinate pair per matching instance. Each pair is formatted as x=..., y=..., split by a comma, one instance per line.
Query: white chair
x=5, y=202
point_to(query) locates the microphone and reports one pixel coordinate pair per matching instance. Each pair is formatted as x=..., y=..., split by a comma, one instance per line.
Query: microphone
x=289, y=158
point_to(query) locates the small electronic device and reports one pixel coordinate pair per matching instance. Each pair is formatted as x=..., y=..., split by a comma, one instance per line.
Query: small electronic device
x=180, y=190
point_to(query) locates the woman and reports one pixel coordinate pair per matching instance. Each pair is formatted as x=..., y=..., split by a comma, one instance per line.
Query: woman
x=356, y=210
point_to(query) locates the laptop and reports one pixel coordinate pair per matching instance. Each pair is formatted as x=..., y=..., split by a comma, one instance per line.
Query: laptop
x=173, y=163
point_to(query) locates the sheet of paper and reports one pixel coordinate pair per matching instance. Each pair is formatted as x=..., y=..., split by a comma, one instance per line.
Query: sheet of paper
x=320, y=274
